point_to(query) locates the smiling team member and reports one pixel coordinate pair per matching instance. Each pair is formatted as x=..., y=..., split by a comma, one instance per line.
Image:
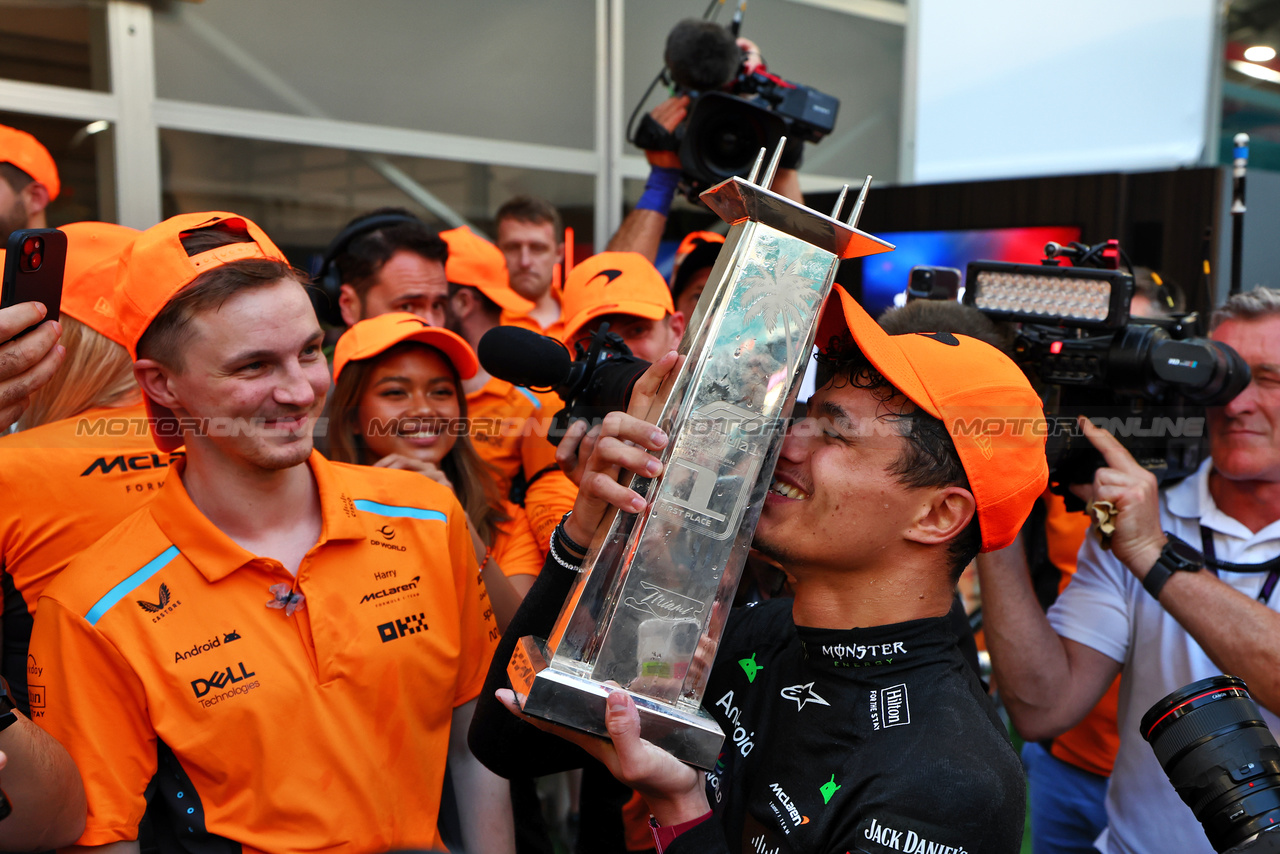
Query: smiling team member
x=852, y=721
x=398, y=403
x=247, y=648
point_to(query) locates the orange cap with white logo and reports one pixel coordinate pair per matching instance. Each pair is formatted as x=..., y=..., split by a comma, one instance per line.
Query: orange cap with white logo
x=89, y=280
x=614, y=283
x=994, y=417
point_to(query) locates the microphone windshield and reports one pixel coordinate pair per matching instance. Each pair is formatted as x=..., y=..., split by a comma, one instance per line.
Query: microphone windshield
x=702, y=56
x=523, y=357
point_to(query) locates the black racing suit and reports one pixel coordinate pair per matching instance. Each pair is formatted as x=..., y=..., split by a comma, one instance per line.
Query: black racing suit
x=862, y=740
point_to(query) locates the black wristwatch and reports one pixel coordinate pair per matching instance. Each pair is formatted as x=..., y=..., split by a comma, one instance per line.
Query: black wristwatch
x=1176, y=556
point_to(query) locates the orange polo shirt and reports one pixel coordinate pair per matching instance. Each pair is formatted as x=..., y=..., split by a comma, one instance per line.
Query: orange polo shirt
x=509, y=429
x=524, y=321
x=65, y=484
x=515, y=548
x=327, y=728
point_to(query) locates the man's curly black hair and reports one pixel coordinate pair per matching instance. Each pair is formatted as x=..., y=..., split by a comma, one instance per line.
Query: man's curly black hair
x=929, y=457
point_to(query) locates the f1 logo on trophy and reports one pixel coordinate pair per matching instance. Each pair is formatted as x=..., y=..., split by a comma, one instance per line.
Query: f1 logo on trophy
x=649, y=608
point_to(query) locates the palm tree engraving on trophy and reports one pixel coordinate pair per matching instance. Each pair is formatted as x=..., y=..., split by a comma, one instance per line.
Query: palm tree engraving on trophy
x=649, y=608
x=774, y=291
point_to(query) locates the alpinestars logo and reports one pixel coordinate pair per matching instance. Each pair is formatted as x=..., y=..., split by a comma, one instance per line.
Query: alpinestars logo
x=397, y=629
x=412, y=584
x=162, y=607
x=803, y=694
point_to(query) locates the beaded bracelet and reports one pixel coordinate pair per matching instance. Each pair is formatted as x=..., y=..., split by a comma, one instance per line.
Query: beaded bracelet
x=556, y=557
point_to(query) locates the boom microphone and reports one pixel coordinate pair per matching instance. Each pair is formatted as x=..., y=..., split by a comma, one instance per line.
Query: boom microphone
x=596, y=382
x=701, y=56
x=524, y=358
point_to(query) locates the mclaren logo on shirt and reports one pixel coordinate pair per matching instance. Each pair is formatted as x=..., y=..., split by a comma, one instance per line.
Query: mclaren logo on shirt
x=399, y=591
x=162, y=607
x=785, y=810
x=803, y=694
x=122, y=463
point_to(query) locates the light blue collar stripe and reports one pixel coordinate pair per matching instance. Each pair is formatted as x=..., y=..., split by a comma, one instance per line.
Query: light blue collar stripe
x=398, y=512
x=130, y=584
x=537, y=404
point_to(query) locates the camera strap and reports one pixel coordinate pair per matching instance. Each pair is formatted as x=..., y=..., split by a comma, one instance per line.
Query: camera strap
x=1271, y=567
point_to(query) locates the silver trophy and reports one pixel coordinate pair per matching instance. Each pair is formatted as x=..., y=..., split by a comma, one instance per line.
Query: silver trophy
x=649, y=608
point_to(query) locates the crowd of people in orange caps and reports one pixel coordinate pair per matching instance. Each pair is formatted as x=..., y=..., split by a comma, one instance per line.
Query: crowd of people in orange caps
x=253, y=585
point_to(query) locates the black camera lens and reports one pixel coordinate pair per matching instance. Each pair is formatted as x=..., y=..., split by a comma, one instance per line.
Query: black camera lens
x=1211, y=741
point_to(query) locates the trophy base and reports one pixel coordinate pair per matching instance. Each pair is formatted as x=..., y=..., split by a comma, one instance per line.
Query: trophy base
x=578, y=703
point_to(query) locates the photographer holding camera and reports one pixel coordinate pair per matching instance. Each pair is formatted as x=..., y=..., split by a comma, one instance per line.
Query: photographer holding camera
x=1184, y=592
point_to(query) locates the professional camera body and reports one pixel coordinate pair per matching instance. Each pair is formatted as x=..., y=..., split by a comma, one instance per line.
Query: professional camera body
x=596, y=378
x=732, y=114
x=1147, y=381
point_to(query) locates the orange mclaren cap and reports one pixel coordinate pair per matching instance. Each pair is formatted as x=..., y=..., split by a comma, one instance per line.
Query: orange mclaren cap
x=477, y=263
x=694, y=239
x=155, y=267
x=614, y=283
x=25, y=151
x=88, y=283
x=993, y=416
x=376, y=335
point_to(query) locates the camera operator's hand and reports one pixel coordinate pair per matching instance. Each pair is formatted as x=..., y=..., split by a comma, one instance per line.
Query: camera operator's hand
x=26, y=363
x=1134, y=492
x=752, y=61
x=670, y=113
x=624, y=438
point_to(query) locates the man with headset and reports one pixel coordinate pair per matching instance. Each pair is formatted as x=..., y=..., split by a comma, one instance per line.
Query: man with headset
x=385, y=260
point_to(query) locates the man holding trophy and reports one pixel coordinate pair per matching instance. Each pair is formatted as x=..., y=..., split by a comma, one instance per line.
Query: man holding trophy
x=845, y=720
x=851, y=721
